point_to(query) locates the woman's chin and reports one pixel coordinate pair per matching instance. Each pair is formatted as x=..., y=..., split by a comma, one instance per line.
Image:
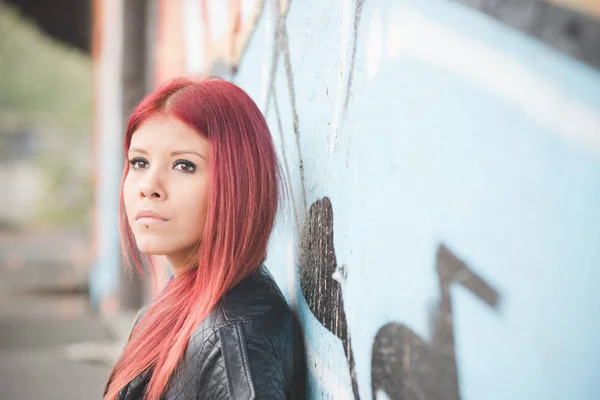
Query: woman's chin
x=152, y=247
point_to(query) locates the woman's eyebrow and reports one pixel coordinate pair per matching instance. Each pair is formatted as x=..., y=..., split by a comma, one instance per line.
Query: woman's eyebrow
x=180, y=152
x=138, y=150
x=175, y=153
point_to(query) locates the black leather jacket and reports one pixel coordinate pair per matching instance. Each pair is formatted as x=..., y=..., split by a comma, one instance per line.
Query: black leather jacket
x=247, y=348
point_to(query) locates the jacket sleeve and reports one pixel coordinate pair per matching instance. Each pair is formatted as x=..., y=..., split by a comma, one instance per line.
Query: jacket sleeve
x=233, y=362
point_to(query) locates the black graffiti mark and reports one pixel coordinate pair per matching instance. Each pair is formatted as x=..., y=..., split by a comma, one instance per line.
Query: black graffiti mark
x=285, y=48
x=566, y=30
x=282, y=47
x=279, y=36
x=285, y=161
x=357, y=15
x=317, y=265
x=396, y=350
x=405, y=366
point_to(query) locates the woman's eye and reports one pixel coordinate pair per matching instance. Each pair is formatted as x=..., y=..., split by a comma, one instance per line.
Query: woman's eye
x=138, y=163
x=185, y=166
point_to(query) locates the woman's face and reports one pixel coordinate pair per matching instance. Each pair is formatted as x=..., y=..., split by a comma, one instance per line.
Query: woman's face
x=166, y=189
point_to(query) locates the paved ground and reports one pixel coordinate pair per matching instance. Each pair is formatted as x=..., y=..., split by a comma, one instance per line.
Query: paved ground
x=52, y=346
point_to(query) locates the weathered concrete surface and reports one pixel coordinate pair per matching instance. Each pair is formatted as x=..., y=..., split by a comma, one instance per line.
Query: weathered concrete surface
x=43, y=313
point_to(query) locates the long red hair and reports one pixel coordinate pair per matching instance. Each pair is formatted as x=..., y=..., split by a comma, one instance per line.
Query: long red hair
x=244, y=197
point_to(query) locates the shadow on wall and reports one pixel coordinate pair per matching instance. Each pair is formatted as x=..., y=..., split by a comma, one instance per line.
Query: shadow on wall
x=403, y=365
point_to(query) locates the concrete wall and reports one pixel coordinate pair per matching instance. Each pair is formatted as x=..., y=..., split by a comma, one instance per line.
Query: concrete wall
x=442, y=239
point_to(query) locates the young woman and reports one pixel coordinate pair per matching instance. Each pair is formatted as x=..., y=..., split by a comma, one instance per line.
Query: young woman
x=201, y=187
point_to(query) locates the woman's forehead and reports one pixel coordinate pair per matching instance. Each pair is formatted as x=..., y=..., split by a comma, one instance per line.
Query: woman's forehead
x=167, y=133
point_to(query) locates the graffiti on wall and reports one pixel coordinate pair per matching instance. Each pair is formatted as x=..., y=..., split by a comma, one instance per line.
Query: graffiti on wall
x=321, y=277
x=404, y=363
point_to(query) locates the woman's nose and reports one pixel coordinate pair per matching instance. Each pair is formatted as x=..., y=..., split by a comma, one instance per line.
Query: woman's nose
x=152, y=190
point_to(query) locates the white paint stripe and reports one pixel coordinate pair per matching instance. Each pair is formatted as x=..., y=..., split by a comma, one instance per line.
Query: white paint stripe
x=329, y=382
x=380, y=395
x=268, y=40
x=416, y=36
x=342, y=84
x=374, y=44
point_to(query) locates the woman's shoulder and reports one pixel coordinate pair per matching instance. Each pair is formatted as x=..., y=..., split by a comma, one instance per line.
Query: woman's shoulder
x=255, y=295
x=247, y=343
x=256, y=305
x=256, y=301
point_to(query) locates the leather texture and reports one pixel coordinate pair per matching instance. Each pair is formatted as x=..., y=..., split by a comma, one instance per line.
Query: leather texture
x=248, y=347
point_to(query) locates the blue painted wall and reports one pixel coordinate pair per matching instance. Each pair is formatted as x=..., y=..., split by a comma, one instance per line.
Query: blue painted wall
x=450, y=156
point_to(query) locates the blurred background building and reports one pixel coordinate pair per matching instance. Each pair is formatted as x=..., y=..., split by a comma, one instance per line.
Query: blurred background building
x=442, y=239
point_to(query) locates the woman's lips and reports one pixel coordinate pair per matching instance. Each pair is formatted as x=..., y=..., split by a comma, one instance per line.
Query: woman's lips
x=149, y=217
x=150, y=221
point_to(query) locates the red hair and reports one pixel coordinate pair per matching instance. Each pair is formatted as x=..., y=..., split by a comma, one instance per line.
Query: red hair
x=242, y=205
